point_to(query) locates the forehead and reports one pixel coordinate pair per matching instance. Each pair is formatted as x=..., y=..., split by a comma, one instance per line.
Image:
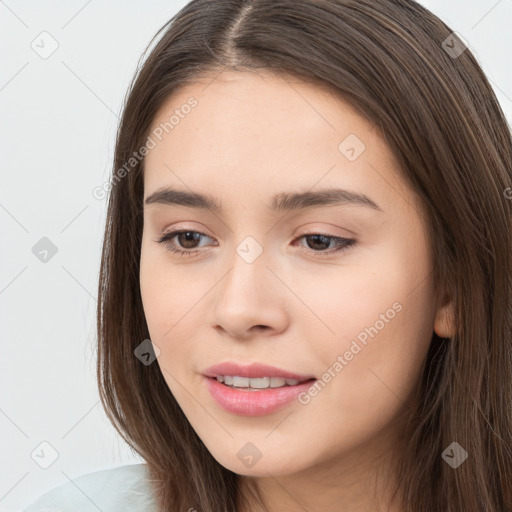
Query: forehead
x=252, y=132
x=262, y=103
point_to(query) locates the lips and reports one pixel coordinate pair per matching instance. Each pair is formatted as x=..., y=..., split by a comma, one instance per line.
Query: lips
x=255, y=402
x=250, y=401
x=253, y=371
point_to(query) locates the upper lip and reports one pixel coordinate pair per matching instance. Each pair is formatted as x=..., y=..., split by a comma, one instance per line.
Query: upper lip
x=253, y=371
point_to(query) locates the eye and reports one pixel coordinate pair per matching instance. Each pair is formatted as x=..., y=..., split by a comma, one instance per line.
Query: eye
x=188, y=239
x=320, y=241
x=185, y=236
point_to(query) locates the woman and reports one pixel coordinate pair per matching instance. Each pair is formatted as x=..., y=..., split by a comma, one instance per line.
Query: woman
x=254, y=369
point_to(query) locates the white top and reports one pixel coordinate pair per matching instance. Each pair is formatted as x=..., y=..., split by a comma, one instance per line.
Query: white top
x=121, y=489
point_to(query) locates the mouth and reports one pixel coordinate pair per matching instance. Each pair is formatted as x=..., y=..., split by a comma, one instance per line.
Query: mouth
x=258, y=383
x=256, y=396
x=254, y=390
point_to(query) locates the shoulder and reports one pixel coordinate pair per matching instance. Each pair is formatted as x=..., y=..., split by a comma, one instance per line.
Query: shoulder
x=110, y=490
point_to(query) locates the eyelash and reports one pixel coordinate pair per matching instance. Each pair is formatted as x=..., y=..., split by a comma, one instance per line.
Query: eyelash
x=166, y=241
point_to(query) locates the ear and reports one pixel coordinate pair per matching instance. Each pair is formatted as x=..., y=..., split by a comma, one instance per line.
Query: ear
x=444, y=322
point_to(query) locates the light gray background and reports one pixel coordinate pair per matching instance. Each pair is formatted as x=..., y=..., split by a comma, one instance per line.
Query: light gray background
x=59, y=119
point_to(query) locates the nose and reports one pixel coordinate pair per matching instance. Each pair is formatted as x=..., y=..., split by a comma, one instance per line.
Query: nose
x=249, y=300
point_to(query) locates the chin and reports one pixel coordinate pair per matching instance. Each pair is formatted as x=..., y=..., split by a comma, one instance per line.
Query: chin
x=249, y=461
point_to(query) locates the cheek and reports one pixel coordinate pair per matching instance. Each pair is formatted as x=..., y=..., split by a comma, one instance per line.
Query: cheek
x=387, y=298
x=162, y=292
x=378, y=318
x=170, y=302
x=377, y=376
x=173, y=299
x=170, y=318
x=340, y=304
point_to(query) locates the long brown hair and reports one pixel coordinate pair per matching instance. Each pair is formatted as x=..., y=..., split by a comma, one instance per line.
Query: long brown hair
x=401, y=68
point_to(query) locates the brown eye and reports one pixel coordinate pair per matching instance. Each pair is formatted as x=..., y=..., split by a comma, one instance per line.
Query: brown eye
x=187, y=241
x=318, y=243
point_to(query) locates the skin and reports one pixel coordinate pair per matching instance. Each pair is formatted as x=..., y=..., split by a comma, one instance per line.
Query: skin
x=253, y=135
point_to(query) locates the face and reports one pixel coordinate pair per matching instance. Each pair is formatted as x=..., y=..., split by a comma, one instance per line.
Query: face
x=334, y=288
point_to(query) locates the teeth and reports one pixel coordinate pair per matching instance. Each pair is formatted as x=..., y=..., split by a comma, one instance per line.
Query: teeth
x=240, y=382
x=257, y=383
x=277, y=382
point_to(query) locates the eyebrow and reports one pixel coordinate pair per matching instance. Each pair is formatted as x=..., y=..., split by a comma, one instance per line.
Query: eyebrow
x=284, y=201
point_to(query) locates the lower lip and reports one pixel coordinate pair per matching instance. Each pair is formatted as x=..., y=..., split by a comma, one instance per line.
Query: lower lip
x=254, y=403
